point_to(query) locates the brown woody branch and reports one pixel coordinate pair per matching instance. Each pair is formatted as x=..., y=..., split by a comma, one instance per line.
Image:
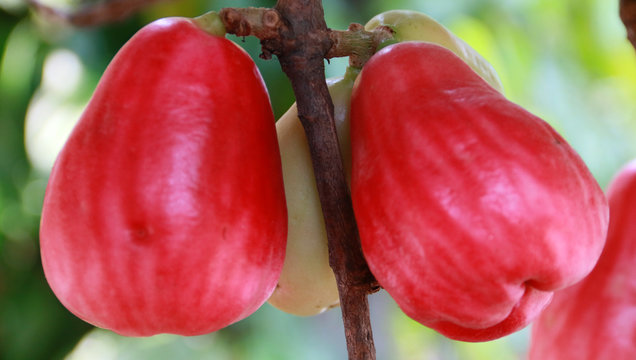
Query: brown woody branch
x=295, y=31
x=628, y=16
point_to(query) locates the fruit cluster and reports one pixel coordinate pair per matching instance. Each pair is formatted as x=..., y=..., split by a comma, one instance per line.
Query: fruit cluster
x=178, y=204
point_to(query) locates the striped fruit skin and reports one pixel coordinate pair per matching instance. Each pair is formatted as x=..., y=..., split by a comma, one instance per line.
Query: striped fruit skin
x=471, y=210
x=165, y=210
x=596, y=318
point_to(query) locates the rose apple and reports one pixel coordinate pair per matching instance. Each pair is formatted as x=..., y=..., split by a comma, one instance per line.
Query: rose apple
x=471, y=210
x=165, y=210
x=596, y=318
x=307, y=285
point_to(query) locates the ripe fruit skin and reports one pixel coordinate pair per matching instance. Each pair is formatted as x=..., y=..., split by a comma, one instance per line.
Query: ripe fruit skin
x=410, y=25
x=307, y=285
x=596, y=318
x=471, y=210
x=165, y=210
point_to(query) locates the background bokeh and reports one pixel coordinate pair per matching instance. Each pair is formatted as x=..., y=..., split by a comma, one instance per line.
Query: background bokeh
x=567, y=61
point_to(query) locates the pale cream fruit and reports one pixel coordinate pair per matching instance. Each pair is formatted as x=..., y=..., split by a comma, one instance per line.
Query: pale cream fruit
x=307, y=285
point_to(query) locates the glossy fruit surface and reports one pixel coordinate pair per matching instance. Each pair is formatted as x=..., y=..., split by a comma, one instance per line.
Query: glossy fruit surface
x=596, y=318
x=165, y=210
x=307, y=285
x=471, y=210
x=410, y=25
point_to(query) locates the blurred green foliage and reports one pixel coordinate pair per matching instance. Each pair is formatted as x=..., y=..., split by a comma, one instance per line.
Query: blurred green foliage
x=567, y=61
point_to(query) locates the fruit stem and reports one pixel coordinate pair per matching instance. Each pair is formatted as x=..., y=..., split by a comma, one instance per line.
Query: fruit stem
x=211, y=23
x=357, y=43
